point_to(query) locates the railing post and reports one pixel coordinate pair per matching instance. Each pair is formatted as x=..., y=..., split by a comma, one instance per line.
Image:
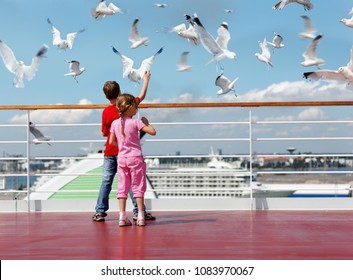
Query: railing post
x=250, y=158
x=28, y=165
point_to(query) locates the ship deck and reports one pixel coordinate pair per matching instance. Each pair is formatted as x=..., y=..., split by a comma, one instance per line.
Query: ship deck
x=180, y=235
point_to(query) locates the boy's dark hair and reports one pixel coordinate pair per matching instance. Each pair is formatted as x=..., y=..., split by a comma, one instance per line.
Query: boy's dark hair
x=111, y=89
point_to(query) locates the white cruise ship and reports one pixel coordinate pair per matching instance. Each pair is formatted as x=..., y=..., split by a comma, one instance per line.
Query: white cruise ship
x=216, y=179
x=222, y=179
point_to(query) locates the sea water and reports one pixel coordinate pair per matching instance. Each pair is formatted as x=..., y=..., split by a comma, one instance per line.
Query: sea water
x=18, y=182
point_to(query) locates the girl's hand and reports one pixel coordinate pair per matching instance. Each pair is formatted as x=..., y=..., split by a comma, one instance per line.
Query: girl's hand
x=145, y=121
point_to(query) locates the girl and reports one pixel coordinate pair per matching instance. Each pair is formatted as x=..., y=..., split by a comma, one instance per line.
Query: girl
x=131, y=166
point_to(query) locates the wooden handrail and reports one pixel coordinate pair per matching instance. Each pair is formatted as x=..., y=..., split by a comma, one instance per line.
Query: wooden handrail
x=182, y=105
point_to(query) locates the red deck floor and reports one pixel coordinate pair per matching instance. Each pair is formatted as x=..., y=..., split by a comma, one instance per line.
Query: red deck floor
x=209, y=235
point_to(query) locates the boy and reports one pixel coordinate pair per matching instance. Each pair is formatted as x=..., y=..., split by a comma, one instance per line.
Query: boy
x=111, y=90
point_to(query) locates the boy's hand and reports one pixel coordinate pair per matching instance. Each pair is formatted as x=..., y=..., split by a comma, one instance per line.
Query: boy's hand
x=147, y=75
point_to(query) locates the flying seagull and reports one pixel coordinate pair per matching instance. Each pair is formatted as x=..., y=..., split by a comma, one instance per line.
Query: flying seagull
x=225, y=84
x=75, y=69
x=348, y=21
x=135, y=37
x=309, y=32
x=103, y=10
x=310, y=56
x=265, y=55
x=219, y=46
x=160, y=5
x=18, y=67
x=306, y=4
x=39, y=136
x=343, y=74
x=183, y=65
x=62, y=43
x=135, y=75
x=276, y=42
x=188, y=33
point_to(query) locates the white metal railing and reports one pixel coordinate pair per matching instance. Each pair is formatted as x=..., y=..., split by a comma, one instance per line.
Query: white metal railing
x=248, y=136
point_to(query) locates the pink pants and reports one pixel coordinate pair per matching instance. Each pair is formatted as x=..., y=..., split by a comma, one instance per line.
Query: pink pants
x=131, y=172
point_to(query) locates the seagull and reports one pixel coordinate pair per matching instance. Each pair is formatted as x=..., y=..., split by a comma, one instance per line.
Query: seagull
x=188, y=33
x=182, y=65
x=75, y=69
x=348, y=21
x=309, y=32
x=228, y=11
x=225, y=84
x=216, y=47
x=61, y=43
x=343, y=74
x=39, y=136
x=135, y=38
x=103, y=10
x=306, y=3
x=135, y=75
x=265, y=56
x=276, y=42
x=310, y=55
x=160, y=5
x=18, y=67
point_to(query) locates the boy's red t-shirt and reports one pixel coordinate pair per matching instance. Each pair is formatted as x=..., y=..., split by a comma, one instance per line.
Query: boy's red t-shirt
x=110, y=114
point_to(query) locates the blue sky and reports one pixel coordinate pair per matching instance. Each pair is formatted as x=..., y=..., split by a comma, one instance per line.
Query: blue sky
x=25, y=29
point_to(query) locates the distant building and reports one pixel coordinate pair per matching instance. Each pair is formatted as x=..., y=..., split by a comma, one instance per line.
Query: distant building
x=274, y=162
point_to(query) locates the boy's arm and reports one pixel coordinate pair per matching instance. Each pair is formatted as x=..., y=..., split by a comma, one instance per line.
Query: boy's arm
x=104, y=128
x=146, y=79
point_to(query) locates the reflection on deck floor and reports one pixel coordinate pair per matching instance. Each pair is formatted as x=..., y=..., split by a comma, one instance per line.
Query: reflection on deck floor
x=258, y=235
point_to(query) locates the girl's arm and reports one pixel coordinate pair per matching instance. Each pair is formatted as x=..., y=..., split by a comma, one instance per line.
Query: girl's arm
x=148, y=128
x=112, y=140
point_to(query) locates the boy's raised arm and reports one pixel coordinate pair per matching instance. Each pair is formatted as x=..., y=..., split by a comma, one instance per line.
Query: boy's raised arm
x=146, y=79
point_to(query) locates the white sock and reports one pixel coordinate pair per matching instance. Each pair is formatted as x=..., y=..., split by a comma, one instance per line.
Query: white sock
x=122, y=215
x=141, y=215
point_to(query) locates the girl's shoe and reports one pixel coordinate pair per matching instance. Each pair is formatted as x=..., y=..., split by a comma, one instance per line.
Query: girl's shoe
x=124, y=223
x=140, y=222
x=148, y=217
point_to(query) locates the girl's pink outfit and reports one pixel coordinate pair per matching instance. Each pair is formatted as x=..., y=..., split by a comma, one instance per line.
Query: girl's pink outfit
x=131, y=165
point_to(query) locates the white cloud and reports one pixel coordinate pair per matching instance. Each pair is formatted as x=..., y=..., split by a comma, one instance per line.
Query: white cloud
x=179, y=114
x=311, y=114
x=187, y=97
x=283, y=91
x=299, y=91
x=55, y=116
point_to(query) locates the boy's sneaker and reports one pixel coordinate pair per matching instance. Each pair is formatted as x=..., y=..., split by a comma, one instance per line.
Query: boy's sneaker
x=99, y=217
x=148, y=217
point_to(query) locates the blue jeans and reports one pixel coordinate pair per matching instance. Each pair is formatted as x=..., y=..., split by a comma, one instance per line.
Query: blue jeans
x=110, y=167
